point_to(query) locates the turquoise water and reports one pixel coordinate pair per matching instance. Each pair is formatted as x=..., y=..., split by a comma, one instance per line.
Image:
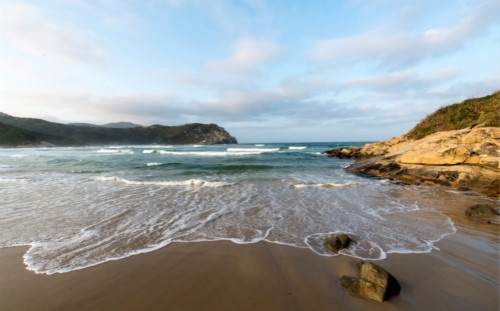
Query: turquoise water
x=78, y=207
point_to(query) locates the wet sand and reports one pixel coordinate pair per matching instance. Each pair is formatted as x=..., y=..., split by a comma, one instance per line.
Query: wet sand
x=462, y=275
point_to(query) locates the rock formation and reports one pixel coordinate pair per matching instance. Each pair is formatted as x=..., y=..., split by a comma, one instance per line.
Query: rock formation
x=467, y=159
x=373, y=283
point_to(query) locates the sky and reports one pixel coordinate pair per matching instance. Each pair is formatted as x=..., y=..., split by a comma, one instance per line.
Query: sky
x=266, y=71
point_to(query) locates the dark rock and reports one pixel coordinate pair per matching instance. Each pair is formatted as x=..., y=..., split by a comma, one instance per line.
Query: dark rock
x=481, y=210
x=350, y=283
x=335, y=242
x=374, y=283
x=344, y=153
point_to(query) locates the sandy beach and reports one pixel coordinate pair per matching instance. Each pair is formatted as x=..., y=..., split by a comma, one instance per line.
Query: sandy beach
x=462, y=275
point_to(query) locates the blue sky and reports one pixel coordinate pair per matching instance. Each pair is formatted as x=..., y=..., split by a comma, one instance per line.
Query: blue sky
x=267, y=71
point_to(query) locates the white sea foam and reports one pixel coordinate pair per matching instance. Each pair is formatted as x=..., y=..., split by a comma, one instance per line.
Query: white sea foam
x=174, y=183
x=256, y=150
x=153, y=146
x=149, y=151
x=297, y=147
x=153, y=164
x=13, y=180
x=325, y=185
x=229, y=152
x=115, y=150
x=196, y=153
x=359, y=247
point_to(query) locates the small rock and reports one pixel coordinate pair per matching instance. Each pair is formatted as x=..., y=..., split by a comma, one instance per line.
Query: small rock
x=481, y=210
x=374, y=283
x=335, y=242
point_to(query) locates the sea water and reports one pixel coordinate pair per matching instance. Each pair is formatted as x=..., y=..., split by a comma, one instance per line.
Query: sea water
x=82, y=206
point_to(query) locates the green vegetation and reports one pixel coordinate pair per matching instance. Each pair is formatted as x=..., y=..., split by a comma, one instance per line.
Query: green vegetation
x=11, y=136
x=27, y=131
x=482, y=112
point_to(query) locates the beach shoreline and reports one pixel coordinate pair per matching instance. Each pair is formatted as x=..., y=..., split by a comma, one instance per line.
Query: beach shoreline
x=462, y=275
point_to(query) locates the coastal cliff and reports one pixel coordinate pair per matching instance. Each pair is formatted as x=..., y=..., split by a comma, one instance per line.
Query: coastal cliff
x=467, y=159
x=24, y=132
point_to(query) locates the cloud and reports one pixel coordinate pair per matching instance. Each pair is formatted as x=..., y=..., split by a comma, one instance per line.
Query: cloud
x=89, y=107
x=403, y=81
x=238, y=18
x=402, y=48
x=248, y=54
x=385, y=82
x=443, y=75
x=24, y=27
x=285, y=100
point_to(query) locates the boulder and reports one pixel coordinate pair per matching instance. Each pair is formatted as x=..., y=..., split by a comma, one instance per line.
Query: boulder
x=335, y=242
x=373, y=283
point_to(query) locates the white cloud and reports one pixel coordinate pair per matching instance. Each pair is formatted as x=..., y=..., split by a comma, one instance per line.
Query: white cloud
x=443, y=75
x=385, y=82
x=25, y=28
x=238, y=18
x=401, y=48
x=87, y=107
x=248, y=54
x=400, y=82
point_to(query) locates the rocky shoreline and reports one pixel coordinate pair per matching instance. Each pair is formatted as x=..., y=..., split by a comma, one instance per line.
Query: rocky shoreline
x=467, y=159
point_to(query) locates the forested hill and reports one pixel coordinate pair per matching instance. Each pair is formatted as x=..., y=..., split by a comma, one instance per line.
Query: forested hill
x=16, y=132
x=474, y=112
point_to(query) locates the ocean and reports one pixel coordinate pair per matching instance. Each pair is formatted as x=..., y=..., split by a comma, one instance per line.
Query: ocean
x=81, y=206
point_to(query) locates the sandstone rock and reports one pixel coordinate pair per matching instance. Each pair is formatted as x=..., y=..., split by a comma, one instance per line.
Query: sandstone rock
x=489, y=161
x=483, y=179
x=465, y=159
x=335, y=242
x=346, y=152
x=373, y=283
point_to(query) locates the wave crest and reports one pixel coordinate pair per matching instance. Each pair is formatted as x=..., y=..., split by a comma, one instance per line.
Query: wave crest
x=172, y=183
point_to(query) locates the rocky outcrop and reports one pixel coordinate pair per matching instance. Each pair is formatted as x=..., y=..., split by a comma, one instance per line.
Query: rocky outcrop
x=336, y=242
x=345, y=153
x=468, y=159
x=373, y=283
x=212, y=134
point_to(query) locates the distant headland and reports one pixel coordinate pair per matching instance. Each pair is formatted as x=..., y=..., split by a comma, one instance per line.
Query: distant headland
x=29, y=132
